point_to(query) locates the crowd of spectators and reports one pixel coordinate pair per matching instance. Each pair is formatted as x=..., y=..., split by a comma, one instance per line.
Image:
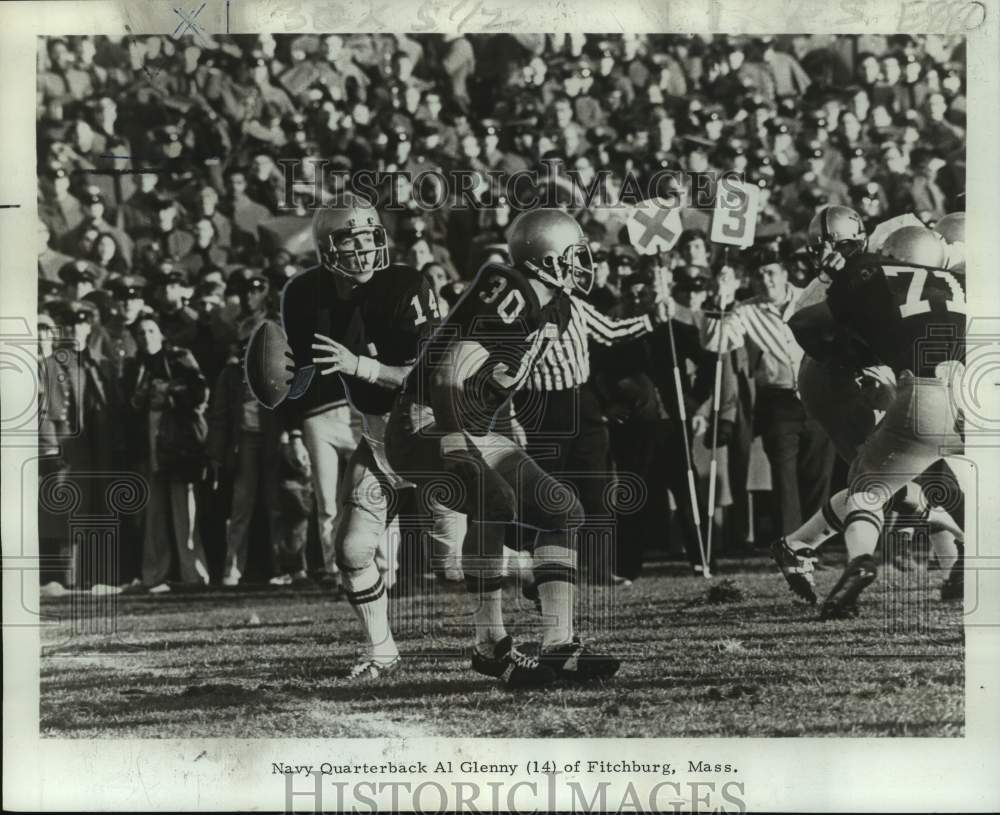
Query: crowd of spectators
x=167, y=226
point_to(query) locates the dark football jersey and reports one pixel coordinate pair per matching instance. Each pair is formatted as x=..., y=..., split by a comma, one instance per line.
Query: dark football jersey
x=384, y=319
x=500, y=311
x=911, y=317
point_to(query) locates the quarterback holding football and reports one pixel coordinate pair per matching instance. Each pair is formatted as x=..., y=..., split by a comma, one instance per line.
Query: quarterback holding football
x=353, y=324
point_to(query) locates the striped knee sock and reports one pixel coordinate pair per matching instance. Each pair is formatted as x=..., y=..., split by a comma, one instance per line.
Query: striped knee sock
x=555, y=576
x=862, y=526
x=366, y=594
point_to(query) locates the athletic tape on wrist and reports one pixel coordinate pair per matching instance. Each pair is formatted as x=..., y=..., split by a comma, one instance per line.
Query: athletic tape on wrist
x=368, y=369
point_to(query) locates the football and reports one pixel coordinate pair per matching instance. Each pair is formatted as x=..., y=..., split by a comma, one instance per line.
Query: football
x=269, y=365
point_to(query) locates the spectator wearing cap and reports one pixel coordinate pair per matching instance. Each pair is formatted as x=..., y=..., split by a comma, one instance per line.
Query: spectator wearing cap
x=177, y=321
x=129, y=294
x=139, y=211
x=578, y=85
x=246, y=214
x=60, y=210
x=165, y=394
x=782, y=156
x=78, y=408
x=914, y=83
x=79, y=277
x=857, y=169
x=871, y=203
x=95, y=210
x=799, y=452
x=814, y=176
x=166, y=241
x=492, y=156
x=767, y=211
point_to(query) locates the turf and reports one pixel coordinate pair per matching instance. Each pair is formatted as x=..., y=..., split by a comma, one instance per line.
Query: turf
x=701, y=658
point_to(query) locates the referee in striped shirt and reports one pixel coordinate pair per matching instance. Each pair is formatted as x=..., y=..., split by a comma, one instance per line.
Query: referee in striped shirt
x=799, y=451
x=564, y=425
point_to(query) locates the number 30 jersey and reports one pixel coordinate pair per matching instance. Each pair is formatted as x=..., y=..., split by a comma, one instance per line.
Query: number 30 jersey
x=911, y=317
x=501, y=312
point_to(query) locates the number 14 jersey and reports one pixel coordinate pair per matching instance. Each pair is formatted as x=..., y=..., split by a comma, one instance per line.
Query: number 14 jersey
x=911, y=317
x=501, y=312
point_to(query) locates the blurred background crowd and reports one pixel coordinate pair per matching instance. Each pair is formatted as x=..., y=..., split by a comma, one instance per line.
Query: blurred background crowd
x=166, y=231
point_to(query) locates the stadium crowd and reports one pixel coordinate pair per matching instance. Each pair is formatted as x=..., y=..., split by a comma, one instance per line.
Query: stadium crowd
x=168, y=224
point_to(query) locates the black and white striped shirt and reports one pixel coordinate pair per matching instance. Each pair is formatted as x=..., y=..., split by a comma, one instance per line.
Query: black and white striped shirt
x=566, y=362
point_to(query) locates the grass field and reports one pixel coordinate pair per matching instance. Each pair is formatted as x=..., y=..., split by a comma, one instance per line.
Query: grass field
x=702, y=658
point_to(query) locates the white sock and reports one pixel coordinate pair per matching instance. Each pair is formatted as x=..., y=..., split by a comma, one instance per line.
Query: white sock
x=555, y=577
x=366, y=594
x=488, y=614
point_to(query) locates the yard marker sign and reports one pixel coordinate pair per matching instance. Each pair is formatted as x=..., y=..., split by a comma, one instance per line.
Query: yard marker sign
x=654, y=226
x=734, y=220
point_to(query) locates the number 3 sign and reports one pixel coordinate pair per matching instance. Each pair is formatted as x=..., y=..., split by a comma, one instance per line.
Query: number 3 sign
x=735, y=218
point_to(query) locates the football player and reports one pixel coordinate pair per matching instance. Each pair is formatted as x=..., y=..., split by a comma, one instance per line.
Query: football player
x=910, y=311
x=359, y=318
x=441, y=436
x=840, y=385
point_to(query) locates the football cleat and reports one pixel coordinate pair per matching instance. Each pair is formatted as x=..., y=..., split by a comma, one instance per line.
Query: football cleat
x=575, y=661
x=842, y=601
x=368, y=669
x=797, y=566
x=512, y=667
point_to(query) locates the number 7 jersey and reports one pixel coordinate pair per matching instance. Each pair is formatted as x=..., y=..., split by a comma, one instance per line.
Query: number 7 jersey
x=911, y=317
x=501, y=312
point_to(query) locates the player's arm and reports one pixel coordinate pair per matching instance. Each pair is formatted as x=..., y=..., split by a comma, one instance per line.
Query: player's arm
x=332, y=357
x=460, y=361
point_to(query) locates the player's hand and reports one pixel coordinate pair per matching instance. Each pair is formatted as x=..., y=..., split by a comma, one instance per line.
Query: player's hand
x=297, y=454
x=699, y=424
x=664, y=310
x=831, y=260
x=878, y=386
x=335, y=358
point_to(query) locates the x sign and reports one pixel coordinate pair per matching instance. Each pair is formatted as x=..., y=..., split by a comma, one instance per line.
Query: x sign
x=654, y=226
